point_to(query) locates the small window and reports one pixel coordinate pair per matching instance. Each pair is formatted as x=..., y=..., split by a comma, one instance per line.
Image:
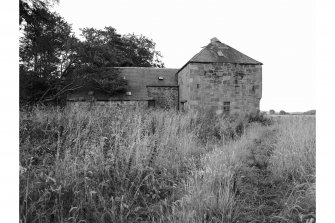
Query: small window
x=198, y=85
x=160, y=78
x=253, y=89
x=236, y=86
x=220, y=53
x=151, y=103
x=226, y=106
x=182, y=106
x=128, y=93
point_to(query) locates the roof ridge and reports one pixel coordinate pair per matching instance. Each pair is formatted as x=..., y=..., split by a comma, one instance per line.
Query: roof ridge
x=226, y=54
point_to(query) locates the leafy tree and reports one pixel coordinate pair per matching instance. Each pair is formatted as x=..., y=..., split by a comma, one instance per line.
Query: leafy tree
x=26, y=8
x=46, y=49
x=141, y=51
x=101, y=50
x=108, y=48
x=44, y=42
x=103, y=79
x=272, y=112
x=282, y=112
x=53, y=61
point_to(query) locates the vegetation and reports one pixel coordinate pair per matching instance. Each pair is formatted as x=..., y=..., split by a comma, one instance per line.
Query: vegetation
x=310, y=112
x=119, y=165
x=53, y=61
x=282, y=112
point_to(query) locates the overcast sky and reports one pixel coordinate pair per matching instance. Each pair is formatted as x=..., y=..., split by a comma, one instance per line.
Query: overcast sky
x=280, y=34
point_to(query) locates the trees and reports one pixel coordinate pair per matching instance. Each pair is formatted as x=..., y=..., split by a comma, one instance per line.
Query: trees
x=53, y=61
x=272, y=112
x=26, y=7
x=282, y=112
x=105, y=47
x=44, y=49
x=141, y=51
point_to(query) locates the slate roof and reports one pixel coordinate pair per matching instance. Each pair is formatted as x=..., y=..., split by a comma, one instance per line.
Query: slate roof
x=220, y=52
x=138, y=79
x=141, y=77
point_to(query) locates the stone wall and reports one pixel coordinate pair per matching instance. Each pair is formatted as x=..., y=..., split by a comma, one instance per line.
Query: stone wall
x=164, y=97
x=108, y=104
x=184, y=88
x=211, y=84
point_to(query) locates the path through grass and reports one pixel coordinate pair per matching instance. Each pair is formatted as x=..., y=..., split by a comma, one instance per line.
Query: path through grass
x=157, y=166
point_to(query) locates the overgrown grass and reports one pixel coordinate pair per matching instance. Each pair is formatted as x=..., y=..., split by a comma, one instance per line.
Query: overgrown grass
x=113, y=165
x=293, y=165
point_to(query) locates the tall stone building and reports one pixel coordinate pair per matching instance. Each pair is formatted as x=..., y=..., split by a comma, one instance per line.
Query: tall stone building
x=222, y=79
x=218, y=78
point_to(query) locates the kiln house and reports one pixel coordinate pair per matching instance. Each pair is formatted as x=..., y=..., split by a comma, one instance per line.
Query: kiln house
x=218, y=78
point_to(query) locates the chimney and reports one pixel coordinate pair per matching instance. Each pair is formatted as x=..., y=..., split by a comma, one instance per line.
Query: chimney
x=214, y=40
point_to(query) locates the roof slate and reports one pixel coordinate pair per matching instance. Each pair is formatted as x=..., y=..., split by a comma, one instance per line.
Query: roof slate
x=138, y=79
x=141, y=77
x=229, y=55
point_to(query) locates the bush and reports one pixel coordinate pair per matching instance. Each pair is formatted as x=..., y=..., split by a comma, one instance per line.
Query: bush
x=258, y=117
x=282, y=112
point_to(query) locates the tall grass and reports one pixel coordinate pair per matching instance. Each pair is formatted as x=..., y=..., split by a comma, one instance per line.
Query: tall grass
x=293, y=164
x=119, y=165
x=211, y=191
x=101, y=165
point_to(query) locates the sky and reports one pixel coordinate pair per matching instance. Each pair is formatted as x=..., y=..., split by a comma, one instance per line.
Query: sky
x=280, y=34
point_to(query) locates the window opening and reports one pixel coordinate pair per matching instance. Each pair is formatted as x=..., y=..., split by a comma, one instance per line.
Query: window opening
x=151, y=103
x=236, y=86
x=220, y=53
x=226, y=106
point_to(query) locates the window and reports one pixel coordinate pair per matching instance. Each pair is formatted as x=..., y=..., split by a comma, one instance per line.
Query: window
x=253, y=89
x=198, y=85
x=236, y=86
x=226, y=106
x=128, y=93
x=220, y=53
x=182, y=105
x=151, y=103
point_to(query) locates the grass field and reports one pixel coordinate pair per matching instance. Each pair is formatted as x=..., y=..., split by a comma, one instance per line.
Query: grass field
x=110, y=165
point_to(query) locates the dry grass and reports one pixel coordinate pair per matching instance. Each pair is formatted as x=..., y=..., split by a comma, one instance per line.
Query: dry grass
x=293, y=164
x=111, y=165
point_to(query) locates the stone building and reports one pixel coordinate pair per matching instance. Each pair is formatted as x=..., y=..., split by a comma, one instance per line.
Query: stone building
x=218, y=78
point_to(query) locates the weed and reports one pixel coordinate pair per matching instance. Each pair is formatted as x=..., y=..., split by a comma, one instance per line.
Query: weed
x=120, y=165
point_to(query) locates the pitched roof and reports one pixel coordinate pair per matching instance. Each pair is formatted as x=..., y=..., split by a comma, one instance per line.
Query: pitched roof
x=138, y=79
x=141, y=77
x=216, y=51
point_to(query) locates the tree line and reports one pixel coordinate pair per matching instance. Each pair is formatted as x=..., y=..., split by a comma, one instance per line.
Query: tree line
x=53, y=61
